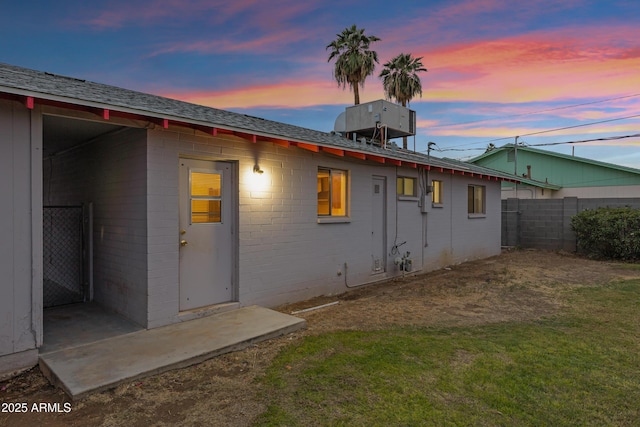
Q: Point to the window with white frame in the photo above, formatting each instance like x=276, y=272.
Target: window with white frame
x=436, y=193
x=332, y=192
x=476, y=202
x=406, y=186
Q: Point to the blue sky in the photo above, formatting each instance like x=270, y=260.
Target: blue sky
x=496, y=69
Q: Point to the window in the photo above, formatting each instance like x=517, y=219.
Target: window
x=206, y=197
x=332, y=192
x=476, y=199
x=406, y=186
x=436, y=194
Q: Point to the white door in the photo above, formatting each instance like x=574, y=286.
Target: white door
x=207, y=249
x=378, y=224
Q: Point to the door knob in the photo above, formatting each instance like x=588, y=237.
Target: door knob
x=183, y=243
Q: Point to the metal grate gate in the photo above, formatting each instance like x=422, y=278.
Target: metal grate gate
x=62, y=248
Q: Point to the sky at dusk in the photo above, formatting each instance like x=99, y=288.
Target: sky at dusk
x=496, y=69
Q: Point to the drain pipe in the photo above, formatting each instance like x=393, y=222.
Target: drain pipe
x=346, y=282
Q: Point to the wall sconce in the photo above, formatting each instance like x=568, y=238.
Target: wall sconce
x=257, y=180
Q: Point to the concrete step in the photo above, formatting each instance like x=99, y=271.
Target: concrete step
x=101, y=365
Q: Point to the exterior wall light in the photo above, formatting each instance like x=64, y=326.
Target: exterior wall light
x=256, y=169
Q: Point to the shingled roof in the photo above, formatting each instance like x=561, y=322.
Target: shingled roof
x=33, y=86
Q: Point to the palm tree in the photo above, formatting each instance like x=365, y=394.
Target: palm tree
x=354, y=60
x=401, y=82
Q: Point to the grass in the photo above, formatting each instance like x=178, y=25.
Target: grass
x=578, y=368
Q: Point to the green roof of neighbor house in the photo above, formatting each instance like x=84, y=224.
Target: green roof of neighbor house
x=554, y=170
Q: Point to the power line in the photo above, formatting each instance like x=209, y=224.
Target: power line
x=546, y=144
x=550, y=130
x=537, y=112
x=568, y=127
x=610, y=138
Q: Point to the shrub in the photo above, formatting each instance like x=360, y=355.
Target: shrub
x=612, y=233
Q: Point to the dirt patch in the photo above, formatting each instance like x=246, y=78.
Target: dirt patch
x=518, y=285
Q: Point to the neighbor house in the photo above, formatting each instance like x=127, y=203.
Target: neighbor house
x=548, y=175
x=552, y=188
x=163, y=211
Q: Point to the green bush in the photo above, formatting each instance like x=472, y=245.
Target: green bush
x=612, y=233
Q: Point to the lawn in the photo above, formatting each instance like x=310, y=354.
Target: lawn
x=524, y=338
x=580, y=366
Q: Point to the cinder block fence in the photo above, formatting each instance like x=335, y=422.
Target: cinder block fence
x=546, y=223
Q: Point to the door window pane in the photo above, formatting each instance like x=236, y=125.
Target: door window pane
x=203, y=211
x=206, y=198
x=205, y=184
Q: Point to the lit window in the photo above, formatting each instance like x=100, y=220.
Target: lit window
x=332, y=192
x=206, y=197
x=436, y=194
x=406, y=186
x=476, y=199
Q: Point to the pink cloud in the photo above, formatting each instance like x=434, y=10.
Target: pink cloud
x=260, y=14
x=535, y=67
x=283, y=95
x=270, y=42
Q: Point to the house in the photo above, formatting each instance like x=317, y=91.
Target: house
x=549, y=175
x=552, y=188
x=163, y=211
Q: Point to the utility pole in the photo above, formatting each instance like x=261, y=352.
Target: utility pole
x=515, y=164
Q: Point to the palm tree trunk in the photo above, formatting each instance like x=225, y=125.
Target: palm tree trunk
x=404, y=138
x=356, y=94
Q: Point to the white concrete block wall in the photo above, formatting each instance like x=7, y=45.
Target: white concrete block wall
x=111, y=173
x=17, y=333
x=284, y=253
x=453, y=236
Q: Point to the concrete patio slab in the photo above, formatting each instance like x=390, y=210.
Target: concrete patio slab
x=79, y=324
x=101, y=365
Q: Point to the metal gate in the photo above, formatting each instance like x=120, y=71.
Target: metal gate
x=63, y=255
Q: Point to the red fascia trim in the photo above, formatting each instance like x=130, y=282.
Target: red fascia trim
x=394, y=162
x=249, y=136
x=205, y=129
x=410, y=164
x=335, y=151
x=29, y=102
x=160, y=122
x=105, y=114
x=375, y=158
x=360, y=156
x=281, y=142
x=304, y=146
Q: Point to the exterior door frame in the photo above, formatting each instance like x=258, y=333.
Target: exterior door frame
x=233, y=199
